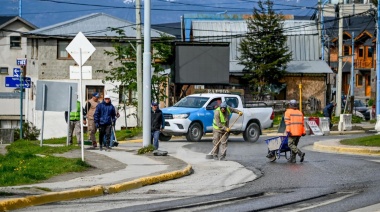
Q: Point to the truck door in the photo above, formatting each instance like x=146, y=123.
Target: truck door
x=233, y=102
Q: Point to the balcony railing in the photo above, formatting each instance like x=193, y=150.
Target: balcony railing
x=364, y=64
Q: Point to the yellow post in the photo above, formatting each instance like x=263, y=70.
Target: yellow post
x=300, y=87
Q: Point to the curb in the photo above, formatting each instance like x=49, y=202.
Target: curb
x=33, y=200
x=343, y=149
x=131, y=141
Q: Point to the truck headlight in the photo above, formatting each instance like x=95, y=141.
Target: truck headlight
x=181, y=116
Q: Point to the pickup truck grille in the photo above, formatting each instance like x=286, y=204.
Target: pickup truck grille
x=168, y=116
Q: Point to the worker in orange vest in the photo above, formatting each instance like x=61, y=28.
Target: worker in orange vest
x=294, y=121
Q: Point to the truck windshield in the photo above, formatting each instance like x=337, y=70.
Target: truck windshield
x=192, y=102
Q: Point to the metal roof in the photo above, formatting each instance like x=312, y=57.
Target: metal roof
x=6, y=20
x=92, y=25
x=308, y=67
x=303, y=41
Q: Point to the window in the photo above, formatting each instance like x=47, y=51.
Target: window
x=361, y=52
x=15, y=42
x=346, y=50
x=3, y=70
x=62, y=53
x=232, y=101
x=370, y=51
x=359, y=80
x=90, y=89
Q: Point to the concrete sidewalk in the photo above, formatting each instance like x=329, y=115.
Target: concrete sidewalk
x=141, y=170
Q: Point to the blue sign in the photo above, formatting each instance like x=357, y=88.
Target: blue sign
x=16, y=72
x=14, y=82
x=21, y=61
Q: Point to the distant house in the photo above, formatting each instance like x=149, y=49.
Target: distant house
x=363, y=27
x=12, y=46
x=48, y=60
x=306, y=67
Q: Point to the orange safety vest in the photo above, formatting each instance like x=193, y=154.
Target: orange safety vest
x=294, y=122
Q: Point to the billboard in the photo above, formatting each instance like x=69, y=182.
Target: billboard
x=202, y=63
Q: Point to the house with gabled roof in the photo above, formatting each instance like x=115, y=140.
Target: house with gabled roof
x=12, y=46
x=48, y=60
x=361, y=30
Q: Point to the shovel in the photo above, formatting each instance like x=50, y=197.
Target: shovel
x=210, y=155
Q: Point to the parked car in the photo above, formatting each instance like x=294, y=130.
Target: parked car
x=362, y=108
x=193, y=115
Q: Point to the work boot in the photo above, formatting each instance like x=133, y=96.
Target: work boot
x=302, y=155
x=215, y=157
x=292, y=158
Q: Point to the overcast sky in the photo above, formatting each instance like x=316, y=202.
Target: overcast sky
x=47, y=12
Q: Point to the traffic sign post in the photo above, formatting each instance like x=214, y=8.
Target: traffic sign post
x=14, y=82
x=80, y=49
x=21, y=61
x=16, y=72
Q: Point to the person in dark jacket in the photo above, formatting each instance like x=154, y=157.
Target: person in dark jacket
x=157, y=122
x=327, y=112
x=104, y=117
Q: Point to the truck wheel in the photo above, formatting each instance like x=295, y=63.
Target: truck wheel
x=252, y=133
x=195, y=132
x=163, y=137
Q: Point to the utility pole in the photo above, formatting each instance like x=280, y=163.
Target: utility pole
x=377, y=127
x=320, y=28
x=139, y=70
x=340, y=63
x=352, y=75
x=147, y=88
x=20, y=8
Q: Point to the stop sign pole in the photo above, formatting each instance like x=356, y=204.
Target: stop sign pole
x=80, y=50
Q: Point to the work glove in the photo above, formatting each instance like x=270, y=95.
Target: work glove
x=240, y=113
x=227, y=129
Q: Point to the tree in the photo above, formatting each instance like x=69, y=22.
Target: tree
x=264, y=52
x=124, y=53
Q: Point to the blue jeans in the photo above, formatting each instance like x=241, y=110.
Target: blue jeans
x=155, y=135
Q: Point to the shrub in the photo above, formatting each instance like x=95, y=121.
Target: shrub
x=29, y=131
x=370, y=102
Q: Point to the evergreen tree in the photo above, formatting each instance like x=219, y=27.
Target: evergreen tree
x=264, y=52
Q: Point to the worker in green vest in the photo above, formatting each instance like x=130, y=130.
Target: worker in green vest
x=74, y=125
x=221, y=129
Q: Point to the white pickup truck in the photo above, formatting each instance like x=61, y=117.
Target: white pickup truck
x=193, y=115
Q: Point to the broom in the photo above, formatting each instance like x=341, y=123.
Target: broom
x=210, y=155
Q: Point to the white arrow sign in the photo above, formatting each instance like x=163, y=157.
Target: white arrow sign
x=80, y=49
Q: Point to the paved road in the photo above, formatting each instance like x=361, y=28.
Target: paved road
x=324, y=182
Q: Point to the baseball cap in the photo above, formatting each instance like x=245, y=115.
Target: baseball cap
x=107, y=97
x=96, y=94
x=154, y=104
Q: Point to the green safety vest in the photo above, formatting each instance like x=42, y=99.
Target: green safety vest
x=222, y=120
x=75, y=116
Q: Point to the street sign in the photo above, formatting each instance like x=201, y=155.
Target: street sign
x=79, y=47
x=21, y=61
x=14, y=82
x=16, y=72
x=86, y=72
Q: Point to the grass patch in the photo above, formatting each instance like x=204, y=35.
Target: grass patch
x=21, y=165
x=373, y=140
x=146, y=149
